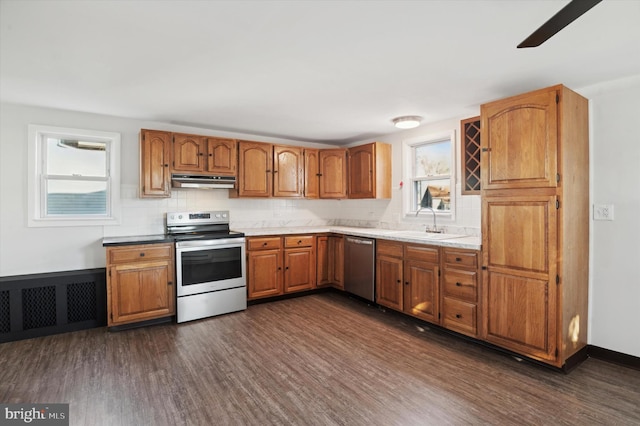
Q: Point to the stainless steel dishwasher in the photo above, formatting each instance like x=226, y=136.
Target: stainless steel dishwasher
x=359, y=266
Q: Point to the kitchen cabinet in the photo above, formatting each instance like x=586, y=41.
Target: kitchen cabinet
x=311, y=173
x=299, y=263
x=407, y=278
x=155, y=157
x=189, y=153
x=460, y=286
x=330, y=261
x=333, y=173
x=140, y=283
x=370, y=171
x=535, y=224
x=470, y=155
x=222, y=156
x=278, y=265
x=266, y=170
x=264, y=267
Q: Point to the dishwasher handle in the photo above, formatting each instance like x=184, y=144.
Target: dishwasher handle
x=359, y=241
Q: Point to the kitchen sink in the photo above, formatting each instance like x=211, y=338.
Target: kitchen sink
x=427, y=235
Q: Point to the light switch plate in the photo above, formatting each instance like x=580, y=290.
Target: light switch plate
x=603, y=212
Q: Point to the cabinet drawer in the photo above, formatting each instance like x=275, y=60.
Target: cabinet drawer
x=421, y=252
x=266, y=243
x=298, y=241
x=138, y=253
x=460, y=316
x=388, y=248
x=461, y=284
x=465, y=259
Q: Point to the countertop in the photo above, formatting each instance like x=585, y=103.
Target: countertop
x=443, y=240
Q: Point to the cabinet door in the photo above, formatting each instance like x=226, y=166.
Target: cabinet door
x=519, y=281
x=519, y=141
x=361, y=171
x=188, y=153
x=222, y=156
x=254, y=169
x=336, y=250
x=299, y=269
x=389, y=282
x=311, y=173
x=288, y=171
x=155, y=156
x=264, y=273
x=140, y=291
x=333, y=173
x=322, y=261
x=421, y=294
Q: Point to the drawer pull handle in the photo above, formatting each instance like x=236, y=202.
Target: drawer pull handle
x=299, y=241
x=458, y=259
x=264, y=244
x=458, y=316
x=141, y=254
x=458, y=285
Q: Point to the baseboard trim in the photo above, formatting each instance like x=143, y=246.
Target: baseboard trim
x=614, y=357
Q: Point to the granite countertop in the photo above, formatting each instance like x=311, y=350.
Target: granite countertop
x=420, y=237
x=444, y=240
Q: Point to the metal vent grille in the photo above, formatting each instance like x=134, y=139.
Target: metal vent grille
x=5, y=312
x=38, y=307
x=81, y=301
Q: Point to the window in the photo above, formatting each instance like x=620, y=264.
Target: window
x=429, y=175
x=73, y=177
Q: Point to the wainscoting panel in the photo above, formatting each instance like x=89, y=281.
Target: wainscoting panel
x=42, y=304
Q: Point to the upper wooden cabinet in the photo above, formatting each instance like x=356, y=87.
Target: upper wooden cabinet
x=311, y=173
x=267, y=170
x=288, y=171
x=255, y=167
x=535, y=191
x=222, y=156
x=189, y=153
x=519, y=141
x=370, y=171
x=155, y=157
x=333, y=173
x=192, y=153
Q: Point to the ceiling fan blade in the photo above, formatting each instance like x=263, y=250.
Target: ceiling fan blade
x=567, y=15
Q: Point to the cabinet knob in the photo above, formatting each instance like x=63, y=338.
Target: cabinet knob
x=141, y=254
x=210, y=155
x=264, y=244
x=299, y=241
x=170, y=283
x=166, y=165
x=458, y=285
x=458, y=316
x=458, y=259
x=406, y=283
x=486, y=149
x=200, y=154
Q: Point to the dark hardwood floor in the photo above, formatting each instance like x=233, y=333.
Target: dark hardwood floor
x=315, y=360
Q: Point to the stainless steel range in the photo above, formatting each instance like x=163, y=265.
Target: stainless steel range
x=210, y=264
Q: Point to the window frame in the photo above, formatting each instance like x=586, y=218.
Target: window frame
x=37, y=179
x=408, y=146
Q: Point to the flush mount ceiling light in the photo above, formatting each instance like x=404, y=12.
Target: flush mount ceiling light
x=407, y=121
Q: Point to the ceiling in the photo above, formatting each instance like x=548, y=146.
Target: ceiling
x=316, y=71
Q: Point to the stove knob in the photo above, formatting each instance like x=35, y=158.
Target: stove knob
x=172, y=217
x=180, y=217
x=218, y=215
x=224, y=215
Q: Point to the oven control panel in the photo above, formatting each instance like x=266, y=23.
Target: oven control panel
x=197, y=218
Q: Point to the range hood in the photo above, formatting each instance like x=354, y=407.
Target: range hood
x=202, y=181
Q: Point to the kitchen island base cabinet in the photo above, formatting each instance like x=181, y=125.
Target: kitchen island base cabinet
x=140, y=283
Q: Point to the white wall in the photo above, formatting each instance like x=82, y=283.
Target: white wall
x=615, y=179
x=26, y=250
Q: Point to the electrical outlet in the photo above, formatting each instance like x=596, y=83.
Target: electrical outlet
x=603, y=212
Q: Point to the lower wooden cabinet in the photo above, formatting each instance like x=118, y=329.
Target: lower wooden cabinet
x=278, y=265
x=140, y=283
x=407, y=278
x=330, y=261
x=461, y=290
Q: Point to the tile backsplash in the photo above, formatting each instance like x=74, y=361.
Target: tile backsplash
x=146, y=216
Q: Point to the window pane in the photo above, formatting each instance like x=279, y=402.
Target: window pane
x=76, y=197
x=433, y=159
x=70, y=157
x=439, y=190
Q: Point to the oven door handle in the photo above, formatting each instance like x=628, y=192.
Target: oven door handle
x=221, y=243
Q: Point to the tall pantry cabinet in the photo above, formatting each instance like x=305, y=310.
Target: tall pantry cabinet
x=535, y=223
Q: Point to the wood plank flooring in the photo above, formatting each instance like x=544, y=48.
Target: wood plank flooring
x=322, y=359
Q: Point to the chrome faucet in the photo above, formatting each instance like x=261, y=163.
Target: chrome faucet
x=435, y=228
